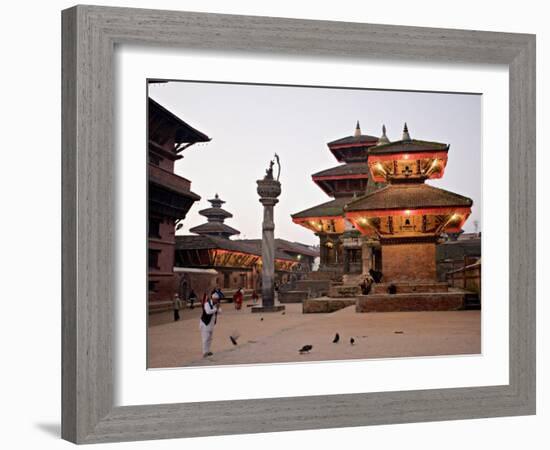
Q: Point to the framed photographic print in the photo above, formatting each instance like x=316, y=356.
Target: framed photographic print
x=300, y=224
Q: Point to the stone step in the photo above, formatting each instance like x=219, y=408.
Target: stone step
x=317, y=288
x=343, y=290
x=411, y=287
x=293, y=296
x=326, y=304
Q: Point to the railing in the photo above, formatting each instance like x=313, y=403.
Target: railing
x=467, y=277
x=169, y=179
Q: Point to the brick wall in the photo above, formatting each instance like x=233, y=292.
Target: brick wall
x=408, y=262
x=162, y=276
x=446, y=301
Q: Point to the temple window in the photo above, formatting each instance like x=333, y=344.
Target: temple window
x=153, y=259
x=154, y=228
x=154, y=159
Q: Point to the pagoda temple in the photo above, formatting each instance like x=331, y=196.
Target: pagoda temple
x=384, y=210
x=341, y=250
x=234, y=262
x=215, y=216
x=407, y=216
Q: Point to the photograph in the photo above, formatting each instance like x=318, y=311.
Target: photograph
x=292, y=224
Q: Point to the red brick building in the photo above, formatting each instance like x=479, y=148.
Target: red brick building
x=169, y=198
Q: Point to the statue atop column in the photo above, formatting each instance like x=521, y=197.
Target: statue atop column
x=269, y=170
x=269, y=189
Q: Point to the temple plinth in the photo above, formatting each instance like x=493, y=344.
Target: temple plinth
x=268, y=190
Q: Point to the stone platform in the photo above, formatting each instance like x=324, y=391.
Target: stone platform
x=419, y=301
x=267, y=309
x=316, y=288
x=292, y=296
x=407, y=287
x=344, y=291
x=326, y=304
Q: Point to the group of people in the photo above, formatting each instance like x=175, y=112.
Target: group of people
x=238, y=298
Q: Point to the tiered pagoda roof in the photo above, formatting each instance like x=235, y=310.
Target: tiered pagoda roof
x=408, y=196
x=352, y=148
x=358, y=170
x=216, y=216
x=407, y=159
x=343, y=182
x=410, y=146
x=331, y=209
x=215, y=251
x=408, y=207
x=381, y=188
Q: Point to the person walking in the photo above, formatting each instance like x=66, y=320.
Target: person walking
x=238, y=298
x=210, y=310
x=177, y=307
x=254, y=296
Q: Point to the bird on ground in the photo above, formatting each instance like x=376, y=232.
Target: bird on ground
x=336, y=338
x=352, y=341
x=305, y=349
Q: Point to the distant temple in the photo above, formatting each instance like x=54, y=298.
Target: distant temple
x=215, y=225
x=232, y=263
x=169, y=197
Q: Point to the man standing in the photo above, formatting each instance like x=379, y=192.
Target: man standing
x=210, y=310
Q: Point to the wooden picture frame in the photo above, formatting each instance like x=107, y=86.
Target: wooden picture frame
x=89, y=37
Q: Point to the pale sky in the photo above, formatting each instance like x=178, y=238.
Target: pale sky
x=249, y=123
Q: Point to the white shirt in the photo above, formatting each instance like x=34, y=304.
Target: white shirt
x=210, y=309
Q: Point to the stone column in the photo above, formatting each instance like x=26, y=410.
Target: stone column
x=366, y=256
x=268, y=190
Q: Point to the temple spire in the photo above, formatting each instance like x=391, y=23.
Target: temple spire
x=357, y=130
x=406, y=135
x=383, y=139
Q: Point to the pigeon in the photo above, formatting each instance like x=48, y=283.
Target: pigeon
x=352, y=341
x=233, y=340
x=336, y=338
x=305, y=349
